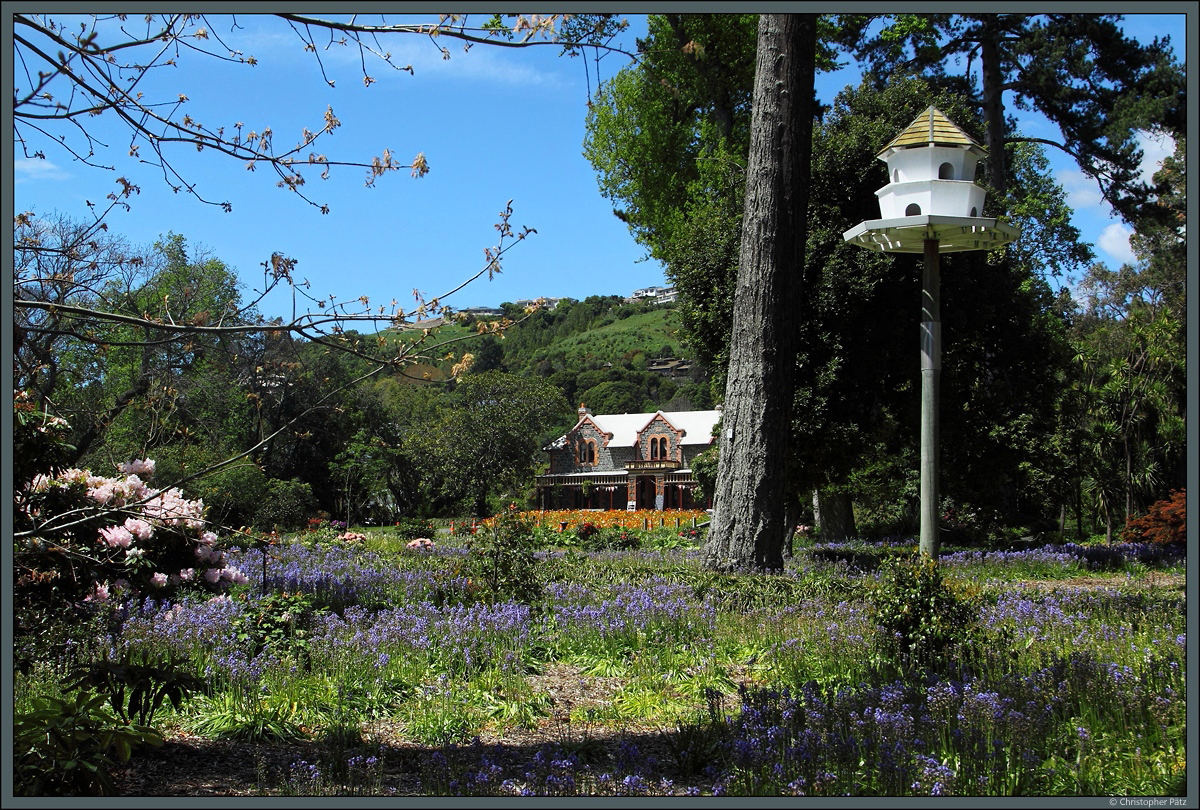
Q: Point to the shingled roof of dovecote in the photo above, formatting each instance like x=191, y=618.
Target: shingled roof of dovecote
x=930, y=127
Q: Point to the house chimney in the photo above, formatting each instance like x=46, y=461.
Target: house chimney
x=584, y=410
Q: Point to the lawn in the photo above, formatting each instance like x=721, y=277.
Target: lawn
x=527, y=660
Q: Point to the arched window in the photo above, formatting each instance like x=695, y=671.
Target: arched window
x=913, y=210
x=587, y=452
x=946, y=171
x=974, y=211
x=895, y=175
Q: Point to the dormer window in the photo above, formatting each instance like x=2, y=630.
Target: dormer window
x=587, y=451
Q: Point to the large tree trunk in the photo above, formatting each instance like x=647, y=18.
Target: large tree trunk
x=833, y=514
x=993, y=112
x=791, y=517
x=749, y=525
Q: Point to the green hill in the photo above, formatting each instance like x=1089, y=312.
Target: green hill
x=601, y=350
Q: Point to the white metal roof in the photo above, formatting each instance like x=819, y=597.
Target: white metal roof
x=624, y=427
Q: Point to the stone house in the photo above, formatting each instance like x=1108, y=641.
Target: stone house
x=627, y=461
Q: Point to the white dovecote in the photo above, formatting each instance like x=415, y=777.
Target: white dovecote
x=931, y=193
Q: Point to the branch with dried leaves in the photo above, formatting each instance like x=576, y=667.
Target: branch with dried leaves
x=71, y=75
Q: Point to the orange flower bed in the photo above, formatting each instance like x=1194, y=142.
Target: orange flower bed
x=609, y=518
x=600, y=518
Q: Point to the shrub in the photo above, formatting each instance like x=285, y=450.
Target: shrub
x=232, y=494
x=504, y=560
x=618, y=537
x=1165, y=523
x=286, y=505
x=68, y=746
x=413, y=528
x=278, y=623
x=585, y=532
x=83, y=540
x=920, y=616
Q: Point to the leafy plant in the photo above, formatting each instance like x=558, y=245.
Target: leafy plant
x=68, y=746
x=1165, y=522
x=695, y=742
x=920, y=615
x=233, y=715
x=137, y=684
x=505, y=560
x=279, y=622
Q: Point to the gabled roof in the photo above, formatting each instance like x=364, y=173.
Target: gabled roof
x=931, y=127
x=695, y=426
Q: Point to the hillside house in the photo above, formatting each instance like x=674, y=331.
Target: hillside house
x=627, y=461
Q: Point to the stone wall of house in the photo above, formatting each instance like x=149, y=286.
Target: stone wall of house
x=659, y=428
x=565, y=460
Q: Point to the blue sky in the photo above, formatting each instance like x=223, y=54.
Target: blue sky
x=494, y=124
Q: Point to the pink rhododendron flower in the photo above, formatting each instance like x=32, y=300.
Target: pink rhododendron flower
x=103, y=493
x=187, y=574
x=208, y=538
x=158, y=580
x=117, y=536
x=213, y=575
x=99, y=594
x=139, y=528
x=420, y=543
x=143, y=466
x=231, y=574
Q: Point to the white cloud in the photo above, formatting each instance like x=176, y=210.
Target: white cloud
x=270, y=39
x=1154, y=149
x=1114, y=240
x=37, y=169
x=1082, y=191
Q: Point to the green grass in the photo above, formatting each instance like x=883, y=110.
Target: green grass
x=665, y=638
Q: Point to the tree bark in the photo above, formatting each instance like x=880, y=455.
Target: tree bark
x=791, y=517
x=993, y=112
x=749, y=521
x=833, y=514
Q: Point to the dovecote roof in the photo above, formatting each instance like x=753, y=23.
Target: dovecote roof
x=930, y=128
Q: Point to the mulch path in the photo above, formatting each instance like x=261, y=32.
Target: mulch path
x=188, y=765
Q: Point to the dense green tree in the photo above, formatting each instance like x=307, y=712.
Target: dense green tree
x=675, y=129
x=142, y=388
x=1126, y=434
x=614, y=396
x=490, y=435
x=1097, y=85
x=854, y=411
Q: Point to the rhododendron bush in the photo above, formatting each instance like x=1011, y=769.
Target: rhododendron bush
x=81, y=537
